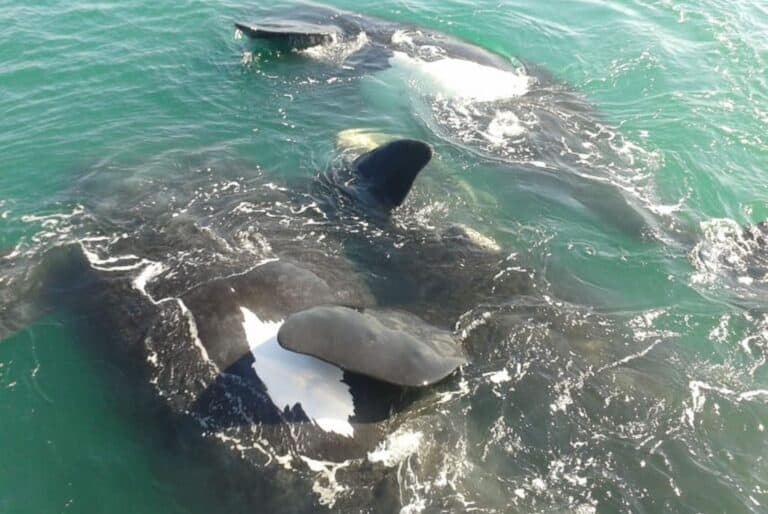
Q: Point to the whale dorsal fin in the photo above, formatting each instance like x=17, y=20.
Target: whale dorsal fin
x=390, y=169
x=296, y=35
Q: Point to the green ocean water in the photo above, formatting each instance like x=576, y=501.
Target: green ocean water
x=102, y=105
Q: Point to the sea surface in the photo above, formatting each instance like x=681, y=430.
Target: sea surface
x=630, y=376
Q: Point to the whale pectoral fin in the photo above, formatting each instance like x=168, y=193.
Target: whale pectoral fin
x=390, y=169
x=387, y=345
x=294, y=35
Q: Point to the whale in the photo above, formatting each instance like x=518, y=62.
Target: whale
x=510, y=113
x=290, y=331
x=298, y=349
x=183, y=298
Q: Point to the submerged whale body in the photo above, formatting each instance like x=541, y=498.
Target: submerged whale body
x=510, y=112
x=287, y=342
x=301, y=356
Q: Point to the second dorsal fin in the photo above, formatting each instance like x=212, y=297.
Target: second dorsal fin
x=390, y=169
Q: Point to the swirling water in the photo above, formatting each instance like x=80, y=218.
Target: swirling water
x=630, y=377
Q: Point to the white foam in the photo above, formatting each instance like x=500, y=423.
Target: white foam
x=292, y=378
x=499, y=377
x=192, y=327
x=15, y=253
x=55, y=218
x=402, y=37
x=503, y=126
x=726, y=248
x=458, y=78
x=105, y=264
x=152, y=270
x=396, y=448
x=336, y=51
x=699, y=399
x=327, y=493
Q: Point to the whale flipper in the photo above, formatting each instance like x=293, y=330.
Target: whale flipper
x=391, y=346
x=390, y=169
x=296, y=35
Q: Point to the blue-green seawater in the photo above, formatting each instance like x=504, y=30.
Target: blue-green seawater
x=104, y=104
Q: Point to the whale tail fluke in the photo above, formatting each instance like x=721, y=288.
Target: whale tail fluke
x=390, y=169
x=295, y=35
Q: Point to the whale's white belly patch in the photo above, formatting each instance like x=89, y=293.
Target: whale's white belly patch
x=292, y=378
x=462, y=79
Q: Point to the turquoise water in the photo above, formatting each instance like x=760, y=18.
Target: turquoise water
x=635, y=382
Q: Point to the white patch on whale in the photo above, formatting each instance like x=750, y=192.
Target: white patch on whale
x=446, y=77
x=459, y=78
x=360, y=139
x=292, y=378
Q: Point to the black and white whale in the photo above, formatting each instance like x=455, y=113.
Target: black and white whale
x=511, y=113
x=298, y=349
